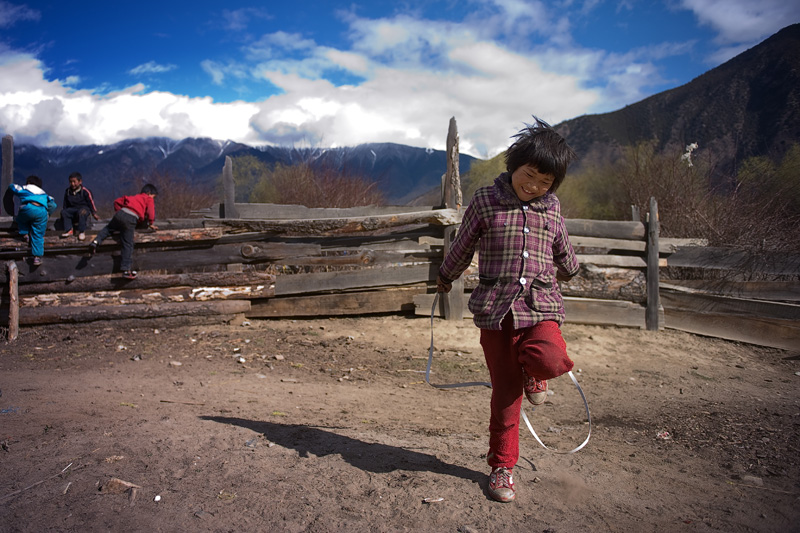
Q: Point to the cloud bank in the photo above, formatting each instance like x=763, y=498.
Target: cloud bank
x=398, y=78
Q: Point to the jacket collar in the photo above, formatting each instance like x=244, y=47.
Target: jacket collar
x=506, y=196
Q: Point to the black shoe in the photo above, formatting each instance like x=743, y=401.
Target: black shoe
x=92, y=248
x=129, y=274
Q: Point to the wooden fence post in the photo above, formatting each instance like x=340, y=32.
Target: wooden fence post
x=13, y=300
x=228, y=206
x=8, y=165
x=452, y=301
x=653, y=311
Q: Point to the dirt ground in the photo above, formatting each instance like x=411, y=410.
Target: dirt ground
x=327, y=425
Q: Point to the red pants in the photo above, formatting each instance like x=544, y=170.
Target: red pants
x=542, y=352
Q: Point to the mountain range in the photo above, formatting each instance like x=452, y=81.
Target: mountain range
x=748, y=106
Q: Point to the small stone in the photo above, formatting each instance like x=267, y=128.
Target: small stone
x=753, y=480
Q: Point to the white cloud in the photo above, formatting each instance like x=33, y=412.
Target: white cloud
x=151, y=67
x=238, y=19
x=413, y=75
x=741, y=22
x=10, y=14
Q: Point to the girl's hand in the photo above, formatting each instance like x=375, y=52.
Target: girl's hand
x=154, y=228
x=441, y=286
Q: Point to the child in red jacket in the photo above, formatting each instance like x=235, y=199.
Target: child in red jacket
x=130, y=211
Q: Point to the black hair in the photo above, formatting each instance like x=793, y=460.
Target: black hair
x=150, y=189
x=540, y=146
x=34, y=180
x=76, y=175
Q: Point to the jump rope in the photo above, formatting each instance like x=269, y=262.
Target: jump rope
x=489, y=385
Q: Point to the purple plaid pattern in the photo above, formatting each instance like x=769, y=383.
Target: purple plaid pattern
x=519, y=248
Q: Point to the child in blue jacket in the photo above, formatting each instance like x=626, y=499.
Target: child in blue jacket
x=35, y=206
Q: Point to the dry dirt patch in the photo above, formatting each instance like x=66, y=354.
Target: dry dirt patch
x=323, y=425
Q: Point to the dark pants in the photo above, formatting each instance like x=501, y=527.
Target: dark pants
x=125, y=224
x=542, y=352
x=75, y=217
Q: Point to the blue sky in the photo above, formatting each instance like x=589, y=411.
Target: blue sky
x=342, y=73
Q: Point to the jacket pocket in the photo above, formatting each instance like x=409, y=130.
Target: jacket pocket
x=481, y=299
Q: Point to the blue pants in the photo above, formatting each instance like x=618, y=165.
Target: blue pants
x=125, y=224
x=75, y=217
x=32, y=220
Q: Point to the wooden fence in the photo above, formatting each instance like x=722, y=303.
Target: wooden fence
x=238, y=261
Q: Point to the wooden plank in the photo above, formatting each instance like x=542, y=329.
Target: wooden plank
x=394, y=300
x=53, y=243
x=745, y=263
x=578, y=310
x=62, y=267
x=229, y=209
x=260, y=211
x=779, y=291
x=292, y=284
x=152, y=281
x=604, y=312
x=333, y=226
x=652, y=314
x=13, y=301
x=623, y=261
x=613, y=229
x=719, y=305
x=148, y=296
x=665, y=246
x=67, y=315
x=775, y=333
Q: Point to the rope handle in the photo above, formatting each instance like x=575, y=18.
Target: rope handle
x=489, y=385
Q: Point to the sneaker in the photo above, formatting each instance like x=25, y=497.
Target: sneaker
x=535, y=389
x=81, y=236
x=37, y=261
x=66, y=234
x=501, y=485
x=129, y=274
x=93, y=248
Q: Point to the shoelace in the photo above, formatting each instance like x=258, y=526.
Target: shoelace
x=502, y=478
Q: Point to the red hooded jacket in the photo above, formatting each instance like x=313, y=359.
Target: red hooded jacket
x=142, y=204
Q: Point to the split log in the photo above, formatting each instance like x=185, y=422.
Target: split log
x=743, y=265
x=30, y=316
x=778, y=291
x=579, y=311
x=605, y=228
x=54, y=243
x=153, y=281
x=776, y=333
x=301, y=212
x=353, y=279
x=333, y=226
x=148, y=296
x=394, y=300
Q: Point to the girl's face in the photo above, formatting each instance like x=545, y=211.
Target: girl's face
x=529, y=183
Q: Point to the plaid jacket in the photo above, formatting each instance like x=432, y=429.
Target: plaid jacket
x=520, y=246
